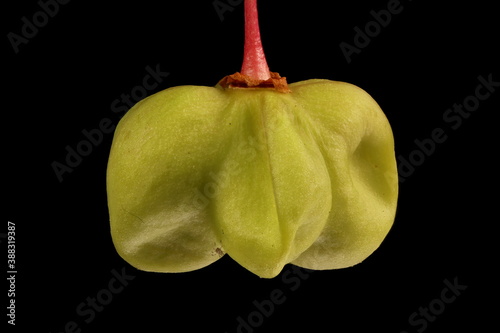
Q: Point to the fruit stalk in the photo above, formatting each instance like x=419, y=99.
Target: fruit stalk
x=254, y=59
x=254, y=71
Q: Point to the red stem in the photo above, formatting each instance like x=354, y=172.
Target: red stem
x=254, y=60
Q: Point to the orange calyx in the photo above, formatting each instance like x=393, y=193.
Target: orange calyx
x=238, y=80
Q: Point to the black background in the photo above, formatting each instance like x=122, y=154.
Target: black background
x=66, y=77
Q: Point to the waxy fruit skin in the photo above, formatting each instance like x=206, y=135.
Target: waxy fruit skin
x=307, y=177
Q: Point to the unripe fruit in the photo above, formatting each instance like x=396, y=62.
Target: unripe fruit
x=303, y=173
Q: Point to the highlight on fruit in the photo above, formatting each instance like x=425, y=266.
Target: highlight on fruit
x=268, y=172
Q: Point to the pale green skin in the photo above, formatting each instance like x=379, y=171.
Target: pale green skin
x=307, y=177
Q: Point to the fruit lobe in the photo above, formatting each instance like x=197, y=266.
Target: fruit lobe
x=307, y=177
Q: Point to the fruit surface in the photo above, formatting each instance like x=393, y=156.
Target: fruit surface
x=308, y=177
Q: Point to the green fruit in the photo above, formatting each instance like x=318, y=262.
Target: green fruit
x=307, y=177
